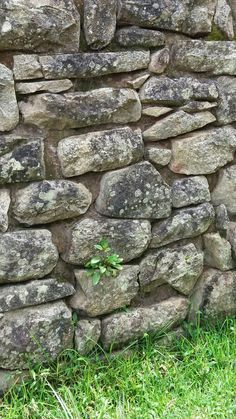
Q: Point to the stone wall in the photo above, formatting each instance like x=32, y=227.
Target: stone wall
x=117, y=121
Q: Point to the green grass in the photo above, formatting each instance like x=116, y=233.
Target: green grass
x=196, y=379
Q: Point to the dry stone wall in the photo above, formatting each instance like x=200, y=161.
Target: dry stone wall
x=117, y=121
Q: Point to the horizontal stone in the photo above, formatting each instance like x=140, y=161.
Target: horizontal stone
x=50, y=200
x=34, y=334
x=32, y=293
x=99, y=22
x=132, y=36
x=87, y=333
x=196, y=106
x=120, y=328
x=5, y=201
x=158, y=155
x=27, y=67
x=137, y=191
x=224, y=191
x=189, y=191
x=159, y=61
x=183, y=224
x=155, y=110
x=223, y=18
x=203, y=152
x=180, y=268
x=26, y=254
x=81, y=109
x=100, y=151
x=226, y=110
x=51, y=86
x=217, y=252
x=128, y=238
x=9, y=113
x=18, y=137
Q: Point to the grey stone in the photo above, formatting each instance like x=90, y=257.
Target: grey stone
x=26, y=254
x=87, y=333
x=183, y=224
x=99, y=22
x=159, y=61
x=50, y=200
x=51, y=86
x=179, y=267
x=32, y=293
x=4, y=207
x=226, y=110
x=223, y=18
x=189, y=191
x=224, y=191
x=176, y=124
x=26, y=67
x=81, y=109
x=217, y=252
x=196, y=106
x=203, y=152
x=137, y=191
x=118, y=329
x=222, y=218
x=100, y=151
x=128, y=238
x=39, y=25
x=9, y=113
x=34, y=334
x=158, y=155
x=138, y=81
x=155, y=110
x=132, y=36
x=9, y=379
x=231, y=236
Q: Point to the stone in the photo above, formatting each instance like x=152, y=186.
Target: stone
x=155, y=110
x=231, y=236
x=136, y=83
x=171, y=338
x=50, y=200
x=158, y=155
x=51, y=86
x=196, y=106
x=9, y=379
x=226, y=110
x=132, y=36
x=223, y=18
x=87, y=333
x=26, y=254
x=27, y=67
x=203, y=152
x=33, y=293
x=137, y=191
x=159, y=61
x=81, y=109
x=222, y=218
x=39, y=25
x=99, y=22
x=128, y=238
x=34, y=334
x=5, y=201
x=190, y=191
x=183, y=224
x=120, y=328
x=217, y=252
x=100, y=151
x=224, y=191
x=179, y=267
x=9, y=113
x=176, y=124
x=110, y=294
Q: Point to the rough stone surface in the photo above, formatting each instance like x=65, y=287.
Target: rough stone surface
x=9, y=113
x=120, y=328
x=190, y=190
x=4, y=207
x=203, y=152
x=51, y=200
x=9, y=379
x=231, y=236
x=110, y=294
x=196, y=106
x=26, y=67
x=222, y=218
x=183, y=224
x=87, y=333
x=158, y=155
x=223, y=18
x=99, y=22
x=35, y=333
x=100, y=151
x=51, y=86
x=138, y=81
x=226, y=111
x=134, y=192
x=217, y=252
x=128, y=238
x=26, y=254
x=132, y=36
x=159, y=61
x=224, y=191
x=155, y=110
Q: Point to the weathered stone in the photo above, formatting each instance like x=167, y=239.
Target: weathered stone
x=9, y=113
x=100, y=151
x=36, y=333
x=128, y=238
x=217, y=252
x=176, y=124
x=223, y=18
x=87, y=333
x=225, y=192
x=99, y=22
x=155, y=110
x=158, y=155
x=51, y=200
x=39, y=25
x=180, y=268
x=132, y=36
x=222, y=218
x=118, y=329
x=80, y=109
x=32, y=293
x=231, y=236
x=203, y=152
x=138, y=81
x=183, y=224
x=4, y=207
x=26, y=254
x=159, y=61
x=226, y=110
x=52, y=86
x=27, y=67
x=110, y=294
x=189, y=191
x=169, y=339
x=196, y=106
x=9, y=379
x=137, y=191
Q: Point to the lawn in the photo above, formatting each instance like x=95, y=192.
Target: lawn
x=196, y=379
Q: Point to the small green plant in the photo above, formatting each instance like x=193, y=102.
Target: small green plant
x=106, y=265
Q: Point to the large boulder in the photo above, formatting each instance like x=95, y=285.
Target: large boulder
x=99, y=22
x=224, y=191
x=9, y=113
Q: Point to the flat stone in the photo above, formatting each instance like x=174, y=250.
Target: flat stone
x=180, y=268
x=110, y=294
x=222, y=218
x=9, y=113
x=32, y=293
x=190, y=191
x=99, y=22
x=223, y=18
x=36, y=333
x=26, y=254
x=132, y=36
x=203, y=152
x=52, y=86
x=87, y=333
x=155, y=110
x=196, y=106
x=120, y=328
x=176, y=124
x=5, y=201
x=100, y=151
x=128, y=238
x=50, y=200
x=224, y=191
x=183, y=224
x=137, y=191
x=217, y=252
x=158, y=155
x=26, y=67
x=81, y=109
x=159, y=61
x=226, y=110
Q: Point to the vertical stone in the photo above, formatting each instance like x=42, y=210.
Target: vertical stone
x=99, y=22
